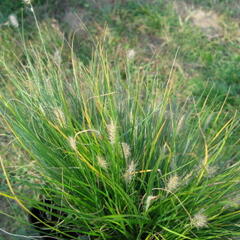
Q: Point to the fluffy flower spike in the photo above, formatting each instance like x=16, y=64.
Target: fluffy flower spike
x=126, y=150
x=129, y=172
x=173, y=183
x=111, y=129
x=199, y=220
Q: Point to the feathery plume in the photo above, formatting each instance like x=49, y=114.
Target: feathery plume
x=130, y=172
x=13, y=20
x=186, y=179
x=111, y=128
x=173, y=183
x=102, y=162
x=60, y=116
x=199, y=220
x=126, y=150
x=211, y=170
x=27, y=2
x=149, y=201
x=72, y=143
x=180, y=123
x=131, y=54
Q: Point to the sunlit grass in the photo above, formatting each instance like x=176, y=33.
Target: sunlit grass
x=120, y=149
x=122, y=158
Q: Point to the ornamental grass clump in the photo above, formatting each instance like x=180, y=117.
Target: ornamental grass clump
x=113, y=161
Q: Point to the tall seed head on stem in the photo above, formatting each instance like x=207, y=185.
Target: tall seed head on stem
x=13, y=20
x=173, y=183
x=126, y=150
x=149, y=201
x=102, y=162
x=72, y=143
x=111, y=129
x=60, y=116
x=129, y=173
x=199, y=220
x=27, y=2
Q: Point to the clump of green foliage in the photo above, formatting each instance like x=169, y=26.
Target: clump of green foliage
x=118, y=152
x=121, y=157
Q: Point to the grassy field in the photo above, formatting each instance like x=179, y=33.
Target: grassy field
x=168, y=73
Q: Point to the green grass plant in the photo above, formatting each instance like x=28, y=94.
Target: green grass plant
x=119, y=149
x=121, y=157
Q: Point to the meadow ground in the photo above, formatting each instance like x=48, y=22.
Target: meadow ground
x=202, y=36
